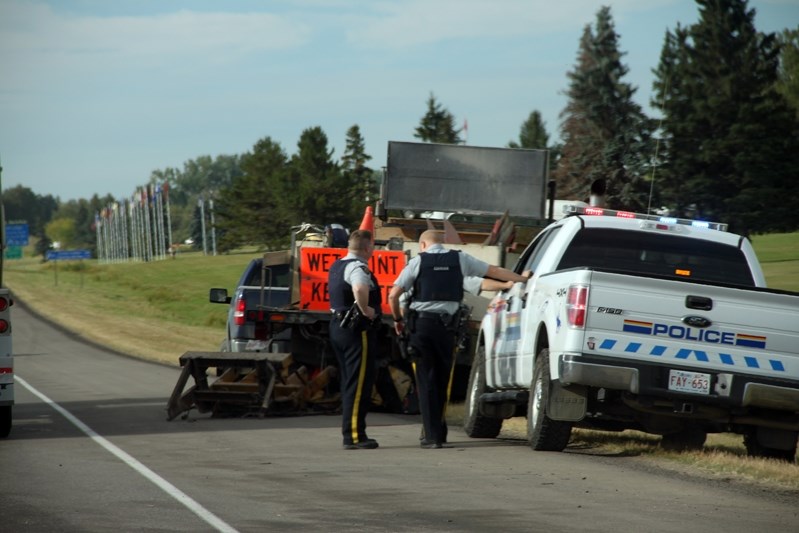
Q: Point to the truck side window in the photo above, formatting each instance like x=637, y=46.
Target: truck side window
x=536, y=251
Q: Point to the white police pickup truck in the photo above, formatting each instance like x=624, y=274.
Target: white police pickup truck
x=634, y=321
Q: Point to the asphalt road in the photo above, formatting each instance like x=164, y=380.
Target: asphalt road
x=91, y=450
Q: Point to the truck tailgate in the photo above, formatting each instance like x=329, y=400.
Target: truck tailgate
x=695, y=326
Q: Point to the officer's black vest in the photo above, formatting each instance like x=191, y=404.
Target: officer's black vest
x=440, y=278
x=341, y=297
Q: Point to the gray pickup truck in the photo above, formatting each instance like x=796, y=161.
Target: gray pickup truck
x=264, y=285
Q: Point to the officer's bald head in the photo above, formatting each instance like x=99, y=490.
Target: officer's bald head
x=429, y=238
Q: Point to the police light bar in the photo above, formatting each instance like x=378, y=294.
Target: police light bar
x=668, y=221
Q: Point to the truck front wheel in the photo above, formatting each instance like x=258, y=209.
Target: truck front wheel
x=544, y=433
x=5, y=421
x=474, y=424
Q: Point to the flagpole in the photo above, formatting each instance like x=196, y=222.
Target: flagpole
x=202, y=224
x=168, y=215
x=146, y=206
x=98, y=233
x=159, y=201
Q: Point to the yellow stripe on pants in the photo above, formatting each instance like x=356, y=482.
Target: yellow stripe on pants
x=449, y=385
x=359, y=388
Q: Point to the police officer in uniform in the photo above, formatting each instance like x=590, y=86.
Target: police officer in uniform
x=436, y=277
x=355, y=341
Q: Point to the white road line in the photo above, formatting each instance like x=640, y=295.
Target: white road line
x=160, y=482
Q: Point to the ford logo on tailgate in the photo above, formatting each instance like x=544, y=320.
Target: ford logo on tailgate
x=696, y=321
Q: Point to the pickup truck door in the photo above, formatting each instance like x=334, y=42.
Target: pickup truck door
x=509, y=309
x=505, y=315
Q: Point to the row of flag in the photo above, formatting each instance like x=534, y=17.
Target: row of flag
x=138, y=229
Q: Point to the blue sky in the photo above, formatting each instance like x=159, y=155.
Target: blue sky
x=96, y=94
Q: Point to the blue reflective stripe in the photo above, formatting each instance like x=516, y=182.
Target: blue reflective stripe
x=633, y=347
x=702, y=356
x=607, y=344
x=658, y=350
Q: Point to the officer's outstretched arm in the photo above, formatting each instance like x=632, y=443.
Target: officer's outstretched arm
x=503, y=274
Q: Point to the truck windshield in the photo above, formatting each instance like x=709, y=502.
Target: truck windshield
x=657, y=254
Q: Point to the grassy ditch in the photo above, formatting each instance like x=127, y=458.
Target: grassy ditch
x=156, y=310
x=723, y=457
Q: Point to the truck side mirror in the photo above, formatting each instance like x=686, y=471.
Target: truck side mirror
x=218, y=296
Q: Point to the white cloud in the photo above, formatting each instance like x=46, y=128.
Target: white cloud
x=34, y=39
x=393, y=24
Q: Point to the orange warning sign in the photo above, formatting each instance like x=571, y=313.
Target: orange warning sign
x=315, y=264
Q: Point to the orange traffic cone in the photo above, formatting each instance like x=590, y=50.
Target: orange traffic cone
x=368, y=222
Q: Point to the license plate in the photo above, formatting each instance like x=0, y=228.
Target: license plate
x=692, y=382
x=254, y=345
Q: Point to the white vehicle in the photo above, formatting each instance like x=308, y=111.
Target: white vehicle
x=6, y=364
x=641, y=322
x=6, y=355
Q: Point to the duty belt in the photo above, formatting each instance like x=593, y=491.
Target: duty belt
x=430, y=314
x=449, y=321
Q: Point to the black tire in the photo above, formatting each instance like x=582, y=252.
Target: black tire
x=689, y=439
x=544, y=433
x=5, y=421
x=474, y=424
x=755, y=449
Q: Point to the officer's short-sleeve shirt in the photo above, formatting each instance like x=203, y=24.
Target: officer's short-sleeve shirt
x=470, y=267
x=471, y=284
x=354, y=274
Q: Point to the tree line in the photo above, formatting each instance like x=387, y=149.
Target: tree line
x=724, y=146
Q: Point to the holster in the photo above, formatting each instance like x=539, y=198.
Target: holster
x=354, y=320
x=407, y=352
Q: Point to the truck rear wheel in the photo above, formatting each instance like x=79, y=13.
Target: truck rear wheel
x=5, y=421
x=474, y=424
x=755, y=446
x=688, y=439
x=544, y=433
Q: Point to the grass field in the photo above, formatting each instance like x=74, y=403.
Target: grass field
x=159, y=310
x=155, y=310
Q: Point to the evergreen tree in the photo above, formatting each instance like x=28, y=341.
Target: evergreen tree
x=437, y=125
x=788, y=83
x=320, y=193
x=606, y=134
x=252, y=209
x=359, y=177
x=731, y=139
x=532, y=134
